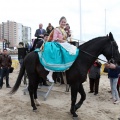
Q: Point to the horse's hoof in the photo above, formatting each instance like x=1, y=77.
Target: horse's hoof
x=75, y=115
x=34, y=109
x=75, y=118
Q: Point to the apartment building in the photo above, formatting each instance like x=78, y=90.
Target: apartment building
x=29, y=34
x=0, y=31
x=14, y=33
x=19, y=33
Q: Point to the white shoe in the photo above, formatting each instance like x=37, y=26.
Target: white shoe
x=37, y=102
x=49, y=77
x=51, y=80
x=116, y=102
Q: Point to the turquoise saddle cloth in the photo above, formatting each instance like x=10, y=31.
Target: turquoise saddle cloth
x=55, y=58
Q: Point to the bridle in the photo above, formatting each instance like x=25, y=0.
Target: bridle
x=111, y=59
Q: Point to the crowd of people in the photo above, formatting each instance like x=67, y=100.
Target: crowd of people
x=60, y=34
x=113, y=74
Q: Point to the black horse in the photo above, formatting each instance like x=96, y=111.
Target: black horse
x=77, y=73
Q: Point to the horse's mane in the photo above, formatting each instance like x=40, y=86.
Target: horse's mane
x=92, y=41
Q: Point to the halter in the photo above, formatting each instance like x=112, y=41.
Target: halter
x=111, y=60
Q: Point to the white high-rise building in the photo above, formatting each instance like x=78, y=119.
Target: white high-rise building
x=14, y=33
x=29, y=34
x=26, y=34
x=19, y=33
x=9, y=32
x=0, y=31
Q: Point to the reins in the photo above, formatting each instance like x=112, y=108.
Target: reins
x=92, y=55
x=97, y=57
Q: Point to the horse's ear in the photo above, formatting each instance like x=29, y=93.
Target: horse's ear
x=111, y=36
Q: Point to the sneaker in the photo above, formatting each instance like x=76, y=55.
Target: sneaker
x=50, y=78
x=116, y=102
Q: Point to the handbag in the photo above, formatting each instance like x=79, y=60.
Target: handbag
x=11, y=69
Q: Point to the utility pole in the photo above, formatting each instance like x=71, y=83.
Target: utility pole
x=105, y=21
x=80, y=22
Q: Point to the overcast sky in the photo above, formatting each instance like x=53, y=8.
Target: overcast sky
x=32, y=12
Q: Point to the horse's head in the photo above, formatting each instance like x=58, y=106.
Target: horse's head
x=111, y=50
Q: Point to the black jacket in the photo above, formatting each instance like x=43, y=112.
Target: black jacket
x=38, y=32
x=5, y=61
x=95, y=70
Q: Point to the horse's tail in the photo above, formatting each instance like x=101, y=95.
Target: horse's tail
x=19, y=79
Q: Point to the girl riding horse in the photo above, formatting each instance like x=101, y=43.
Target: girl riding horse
x=58, y=55
x=76, y=74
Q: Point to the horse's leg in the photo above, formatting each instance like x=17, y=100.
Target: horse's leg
x=83, y=97
x=31, y=89
x=35, y=93
x=32, y=83
x=74, y=90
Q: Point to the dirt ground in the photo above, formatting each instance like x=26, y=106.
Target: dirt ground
x=57, y=106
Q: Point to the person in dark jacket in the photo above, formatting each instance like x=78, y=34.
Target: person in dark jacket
x=67, y=30
x=49, y=28
x=113, y=74
x=22, y=52
x=38, y=42
x=5, y=64
x=94, y=77
x=40, y=32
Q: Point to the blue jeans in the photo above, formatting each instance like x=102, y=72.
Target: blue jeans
x=4, y=73
x=113, y=84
